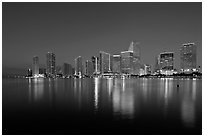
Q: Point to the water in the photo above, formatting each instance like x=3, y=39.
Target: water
x=102, y=106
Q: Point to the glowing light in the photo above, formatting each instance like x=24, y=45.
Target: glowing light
x=96, y=80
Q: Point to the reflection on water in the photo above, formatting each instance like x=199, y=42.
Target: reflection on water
x=123, y=98
x=194, y=90
x=188, y=103
x=96, y=85
x=188, y=113
x=36, y=89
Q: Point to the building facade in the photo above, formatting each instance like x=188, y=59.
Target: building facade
x=42, y=71
x=89, y=70
x=147, y=69
x=96, y=64
x=67, y=70
x=116, y=63
x=78, y=66
x=59, y=70
x=105, y=62
x=35, y=66
x=166, y=63
x=135, y=48
x=126, y=62
x=188, y=57
x=50, y=69
x=29, y=72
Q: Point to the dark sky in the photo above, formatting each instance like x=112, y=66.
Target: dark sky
x=73, y=29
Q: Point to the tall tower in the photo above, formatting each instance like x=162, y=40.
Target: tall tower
x=50, y=70
x=135, y=49
x=127, y=62
x=78, y=66
x=35, y=66
x=116, y=63
x=89, y=68
x=188, y=57
x=96, y=64
x=105, y=62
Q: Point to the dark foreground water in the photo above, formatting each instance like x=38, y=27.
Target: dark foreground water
x=102, y=106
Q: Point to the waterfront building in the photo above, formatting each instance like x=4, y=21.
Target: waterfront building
x=147, y=69
x=105, y=62
x=135, y=48
x=67, y=70
x=126, y=62
x=29, y=73
x=89, y=68
x=78, y=66
x=166, y=63
x=96, y=64
x=42, y=72
x=73, y=71
x=58, y=70
x=35, y=66
x=188, y=57
x=142, y=71
x=156, y=66
x=50, y=70
x=116, y=63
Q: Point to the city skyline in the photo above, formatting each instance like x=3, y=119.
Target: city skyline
x=113, y=41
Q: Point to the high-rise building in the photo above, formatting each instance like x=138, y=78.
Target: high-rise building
x=135, y=48
x=96, y=64
x=89, y=68
x=78, y=66
x=188, y=57
x=105, y=62
x=50, y=70
x=156, y=66
x=67, y=70
x=35, y=66
x=116, y=63
x=166, y=63
x=126, y=62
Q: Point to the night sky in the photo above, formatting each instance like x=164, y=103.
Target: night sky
x=83, y=29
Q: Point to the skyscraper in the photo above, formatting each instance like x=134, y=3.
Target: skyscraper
x=67, y=70
x=135, y=48
x=166, y=63
x=188, y=57
x=35, y=66
x=116, y=63
x=156, y=66
x=105, y=62
x=127, y=62
x=89, y=68
x=78, y=66
x=96, y=64
x=51, y=64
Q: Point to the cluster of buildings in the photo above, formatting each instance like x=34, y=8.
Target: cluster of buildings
x=126, y=63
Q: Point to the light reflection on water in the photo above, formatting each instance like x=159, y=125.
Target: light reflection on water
x=96, y=94
x=124, y=98
x=37, y=84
